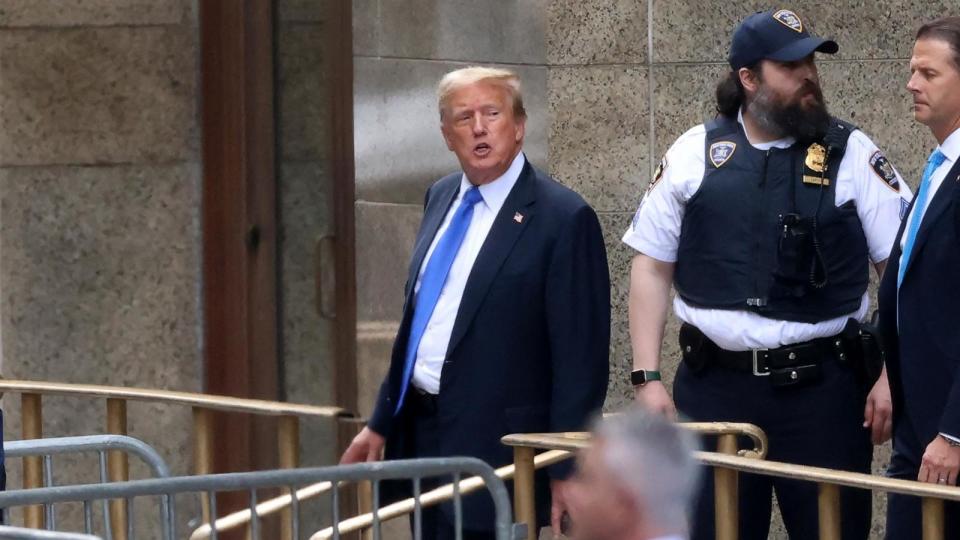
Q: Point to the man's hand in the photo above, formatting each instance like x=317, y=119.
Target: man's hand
x=558, y=504
x=653, y=396
x=366, y=446
x=940, y=463
x=878, y=411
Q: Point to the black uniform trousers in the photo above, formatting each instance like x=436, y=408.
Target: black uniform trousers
x=819, y=424
x=903, y=511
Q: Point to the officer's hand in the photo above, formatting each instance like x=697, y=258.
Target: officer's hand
x=653, y=396
x=940, y=463
x=878, y=411
x=366, y=446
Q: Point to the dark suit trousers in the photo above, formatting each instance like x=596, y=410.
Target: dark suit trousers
x=818, y=424
x=423, y=442
x=903, y=511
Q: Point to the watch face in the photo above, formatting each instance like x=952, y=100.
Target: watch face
x=638, y=377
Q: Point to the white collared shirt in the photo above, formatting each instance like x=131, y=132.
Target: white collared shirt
x=433, y=345
x=656, y=232
x=951, y=150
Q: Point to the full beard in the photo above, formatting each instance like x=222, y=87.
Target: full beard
x=791, y=119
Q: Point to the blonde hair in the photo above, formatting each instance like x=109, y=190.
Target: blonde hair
x=506, y=79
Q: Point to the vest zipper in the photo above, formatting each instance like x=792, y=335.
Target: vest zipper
x=759, y=297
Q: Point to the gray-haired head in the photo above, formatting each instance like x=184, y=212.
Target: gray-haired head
x=652, y=459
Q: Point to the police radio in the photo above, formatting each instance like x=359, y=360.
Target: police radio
x=800, y=264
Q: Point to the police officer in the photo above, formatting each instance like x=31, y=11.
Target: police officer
x=764, y=220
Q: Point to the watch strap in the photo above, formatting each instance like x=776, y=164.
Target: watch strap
x=643, y=376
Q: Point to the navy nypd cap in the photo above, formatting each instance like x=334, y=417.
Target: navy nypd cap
x=775, y=35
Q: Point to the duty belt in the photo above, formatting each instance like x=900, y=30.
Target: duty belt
x=787, y=364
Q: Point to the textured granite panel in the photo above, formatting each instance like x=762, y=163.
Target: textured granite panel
x=385, y=236
x=512, y=32
x=398, y=147
x=366, y=27
x=599, y=133
x=68, y=13
x=303, y=92
x=105, y=95
x=597, y=32
x=100, y=274
x=620, y=255
x=100, y=268
x=701, y=31
x=872, y=94
x=683, y=97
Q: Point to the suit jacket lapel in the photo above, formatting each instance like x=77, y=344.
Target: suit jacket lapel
x=938, y=205
x=432, y=219
x=497, y=246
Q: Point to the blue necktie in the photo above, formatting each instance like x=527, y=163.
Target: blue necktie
x=432, y=280
x=936, y=159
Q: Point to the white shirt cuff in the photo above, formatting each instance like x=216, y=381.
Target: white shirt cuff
x=950, y=437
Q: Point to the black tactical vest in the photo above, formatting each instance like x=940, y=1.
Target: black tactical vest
x=735, y=247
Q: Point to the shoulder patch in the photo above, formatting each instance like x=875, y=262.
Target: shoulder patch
x=904, y=206
x=884, y=170
x=789, y=19
x=721, y=152
x=658, y=173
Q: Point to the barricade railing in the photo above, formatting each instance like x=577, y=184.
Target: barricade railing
x=727, y=464
x=101, y=444
x=731, y=431
x=18, y=533
x=207, y=486
x=525, y=446
x=203, y=406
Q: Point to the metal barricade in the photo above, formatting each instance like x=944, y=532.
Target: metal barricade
x=289, y=479
x=103, y=445
x=17, y=533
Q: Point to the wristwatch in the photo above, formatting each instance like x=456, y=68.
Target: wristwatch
x=640, y=377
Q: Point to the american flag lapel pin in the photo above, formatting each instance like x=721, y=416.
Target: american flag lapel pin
x=518, y=217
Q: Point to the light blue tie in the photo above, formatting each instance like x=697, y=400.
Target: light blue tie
x=936, y=159
x=431, y=283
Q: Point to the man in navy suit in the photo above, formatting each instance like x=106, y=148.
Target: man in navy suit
x=506, y=323
x=919, y=294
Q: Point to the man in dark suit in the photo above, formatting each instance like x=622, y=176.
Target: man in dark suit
x=919, y=294
x=506, y=323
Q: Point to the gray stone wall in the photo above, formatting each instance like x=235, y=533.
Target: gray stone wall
x=99, y=210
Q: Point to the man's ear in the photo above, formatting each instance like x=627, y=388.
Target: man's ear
x=749, y=79
x=521, y=129
x=446, y=135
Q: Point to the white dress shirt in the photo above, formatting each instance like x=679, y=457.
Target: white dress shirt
x=433, y=345
x=656, y=232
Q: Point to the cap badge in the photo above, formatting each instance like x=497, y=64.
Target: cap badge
x=789, y=19
x=721, y=152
